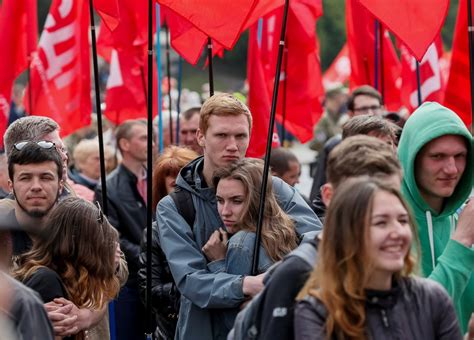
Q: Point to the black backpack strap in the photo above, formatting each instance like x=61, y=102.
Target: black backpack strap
x=183, y=201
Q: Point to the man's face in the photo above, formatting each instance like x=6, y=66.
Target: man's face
x=36, y=187
x=364, y=104
x=187, y=133
x=439, y=167
x=136, y=146
x=292, y=176
x=226, y=140
x=54, y=137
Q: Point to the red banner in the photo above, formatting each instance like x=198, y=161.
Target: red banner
x=60, y=75
x=340, y=70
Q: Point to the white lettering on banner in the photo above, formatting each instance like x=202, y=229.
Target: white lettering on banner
x=431, y=84
x=4, y=106
x=270, y=31
x=65, y=8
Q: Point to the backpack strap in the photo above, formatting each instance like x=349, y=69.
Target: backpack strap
x=306, y=251
x=183, y=201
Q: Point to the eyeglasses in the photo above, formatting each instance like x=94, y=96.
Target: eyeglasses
x=365, y=109
x=42, y=144
x=100, y=218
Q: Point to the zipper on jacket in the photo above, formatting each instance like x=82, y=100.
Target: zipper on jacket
x=384, y=318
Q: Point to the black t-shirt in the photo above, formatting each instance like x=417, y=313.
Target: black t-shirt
x=47, y=283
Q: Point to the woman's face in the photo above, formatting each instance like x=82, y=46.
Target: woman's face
x=230, y=196
x=389, y=235
x=170, y=183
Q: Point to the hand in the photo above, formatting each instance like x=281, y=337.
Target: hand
x=252, y=285
x=216, y=247
x=67, y=318
x=464, y=232
x=470, y=328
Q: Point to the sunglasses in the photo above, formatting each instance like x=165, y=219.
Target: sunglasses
x=100, y=217
x=42, y=144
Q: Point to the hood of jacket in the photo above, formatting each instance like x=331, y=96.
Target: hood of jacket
x=432, y=120
x=190, y=178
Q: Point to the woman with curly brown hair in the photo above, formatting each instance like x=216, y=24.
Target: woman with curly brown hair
x=73, y=257
x=362, y=286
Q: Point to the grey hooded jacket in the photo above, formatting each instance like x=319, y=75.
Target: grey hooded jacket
x=204, y=292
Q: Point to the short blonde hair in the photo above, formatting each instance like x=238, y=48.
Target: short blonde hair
x=222, y=104
x=85, y=148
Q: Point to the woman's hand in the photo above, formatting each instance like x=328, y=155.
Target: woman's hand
x=216, y=247
x=470, y=328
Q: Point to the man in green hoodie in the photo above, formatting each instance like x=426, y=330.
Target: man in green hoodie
x=435, y=150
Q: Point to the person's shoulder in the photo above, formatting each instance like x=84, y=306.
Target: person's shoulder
x=45, y=275
x=426, y=288
x=23, y=295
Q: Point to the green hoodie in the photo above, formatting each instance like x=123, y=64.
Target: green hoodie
x=454, y=263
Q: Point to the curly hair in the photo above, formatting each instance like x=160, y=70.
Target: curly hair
x=79, y=244
x=278, y=230
x=344, y=264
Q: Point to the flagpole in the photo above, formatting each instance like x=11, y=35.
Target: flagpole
x=160, y=90
x=209, y=59
x=418, y=82
x=149, y=171
x=30, y=95
x=285, y=84
x=99, y=110
x=381, y=54
x=180, y=88
x=266, y=166
x=376, y=55
x=470, y=29
x=168, y=74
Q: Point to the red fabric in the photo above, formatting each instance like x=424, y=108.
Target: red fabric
x=361, y=42
x=221, y=20
x=18, y=36
x=109, y=12
x=415, y=23
x=431, y=82
x=338, y=73
x=458, y=89
x=60, y=75
x=259, y=98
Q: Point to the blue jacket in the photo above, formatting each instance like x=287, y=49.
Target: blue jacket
x=202, y=290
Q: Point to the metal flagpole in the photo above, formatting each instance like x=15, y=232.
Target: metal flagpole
x=180, y=88
x=209, y=59
x=470, y=33
x=168, y=74
x=418, y=83
x=266, y=166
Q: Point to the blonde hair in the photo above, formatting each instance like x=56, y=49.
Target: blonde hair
x=278, y=230
x=222, y=104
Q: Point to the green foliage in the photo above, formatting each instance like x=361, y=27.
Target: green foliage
x=331, y=28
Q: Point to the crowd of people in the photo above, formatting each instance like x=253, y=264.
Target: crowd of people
x=382, y=248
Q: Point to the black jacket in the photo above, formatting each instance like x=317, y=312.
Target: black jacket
x=415, y=309
x=76, y=177
x=127, y=213
x=164, y=294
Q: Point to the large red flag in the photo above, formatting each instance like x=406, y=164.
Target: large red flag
x=339, y=71
x=18, y=36
x=431, y=82
x=415, y=22
x=458, y=89
x=60, y=75
x=259, y=97
x=361, y=42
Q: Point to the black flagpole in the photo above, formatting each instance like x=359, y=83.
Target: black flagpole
x=99, y=111
x=470, y=29
x=30, y=95
x=382, y=86
x=418, y=82
x=149, y=169
x=376, y=55
x=209, y=61
x=168, y=75
x=285, y=85
x=266, y=166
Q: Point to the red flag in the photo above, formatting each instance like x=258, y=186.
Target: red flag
x=431, y=82
x=415, y=23
x=60, y=75
x=339, y=71
x=361, y=42
x=299, y=99
x=109, y=12
x=19, y=35
x=259, y=100
x=458, y=89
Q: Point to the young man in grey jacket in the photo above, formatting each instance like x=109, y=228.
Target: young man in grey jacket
x=224, y=134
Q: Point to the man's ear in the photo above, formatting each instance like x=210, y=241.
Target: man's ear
x=200, y=138
x=327, y=191
x=61, y=187
x=10, y=185
x=123, y=142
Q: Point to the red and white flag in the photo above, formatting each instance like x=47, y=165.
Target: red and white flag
x=60, y=74
x=18, y=37
x=431, y=80
x=458, y=89
x=340, y=70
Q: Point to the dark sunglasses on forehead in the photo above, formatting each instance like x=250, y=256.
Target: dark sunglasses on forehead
x=42, y=144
